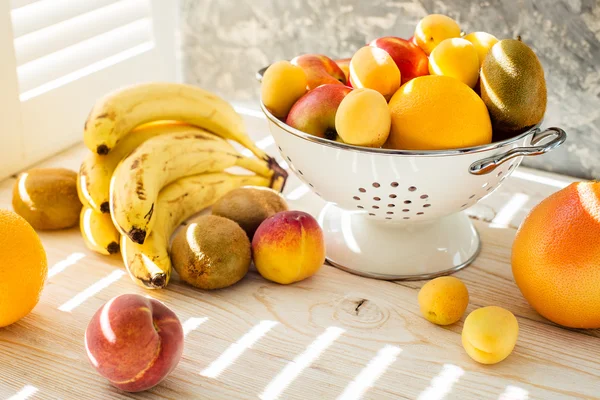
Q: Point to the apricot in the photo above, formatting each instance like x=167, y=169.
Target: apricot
x=288, y=247
x=363, y=118
x=134, y=342
x=373, y=68
x=489, y=334
x=433, y=29
x=483, y=43
x=456, y=58
x=282, y=85
x=443, y=300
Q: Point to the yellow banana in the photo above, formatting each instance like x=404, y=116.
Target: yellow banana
x=98, y=231
x=116, y=114
x=161, y=160
x=93, y=182
x=149, y=264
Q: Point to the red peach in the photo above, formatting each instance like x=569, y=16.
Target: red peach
x=344, y=64
x=410, y=59
x=134, y=342
x=288, y=247
x=314, y=112
x=320, y=70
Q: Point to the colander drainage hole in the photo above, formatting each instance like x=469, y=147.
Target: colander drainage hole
x=279, y=147
x=361, y=207
x=500, y=173
x=388, y=218
x=407, y=201
x=300, y=172
x=412, y=189
x=406, y=218
x=471, y=196
x=393, y=196
x=424, y=196
x=311, y=185
x=511, y=166
x=356, y=198
x=362, y=190
x=405, y=210
x=376, y=207
x=376, y=198
x=420, y=213
x=394, y=184
x=391, y=205
x=390, y=212
x=371, y=214
x=426, y=205
x=464, y=205
x=289, y=159
x=490, y=188
x=376, y=185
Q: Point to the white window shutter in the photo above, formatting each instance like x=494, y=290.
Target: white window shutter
x=70, y=53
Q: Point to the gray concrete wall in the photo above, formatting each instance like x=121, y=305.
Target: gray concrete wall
x=224, y=42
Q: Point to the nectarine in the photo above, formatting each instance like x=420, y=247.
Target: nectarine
x=409, y=58
x=320, y=70
x=134, y=342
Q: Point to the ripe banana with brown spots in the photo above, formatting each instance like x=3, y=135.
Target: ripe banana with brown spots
x=161, y=160
x=93, y=181
x=118, y=113
x=98, y=231
x=149, y=264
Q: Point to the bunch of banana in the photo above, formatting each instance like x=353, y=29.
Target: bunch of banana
x=159, y=152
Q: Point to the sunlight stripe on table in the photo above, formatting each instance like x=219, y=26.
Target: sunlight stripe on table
x=192, y=324
x=234, y=351
x=63, y=264
x=369, y=374
x=92, y=290
x=293, y=369
x=506, y=214
x=442, y=384
x=24, y=393
x=298, y=193
x=539, y=179
x=514, y=393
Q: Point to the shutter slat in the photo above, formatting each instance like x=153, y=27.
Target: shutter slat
x=85, y=26
x=43, y=13
x=83, y=54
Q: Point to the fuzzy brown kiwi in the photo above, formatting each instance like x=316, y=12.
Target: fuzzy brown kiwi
x=47, y=198
x=249, y=206
x=211, y=252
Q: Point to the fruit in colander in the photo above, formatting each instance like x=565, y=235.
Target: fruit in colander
x=437, y=112
x=363, y=118
x=433, y=29
x=374, y=68
x=409, y=58
x=456, y=58
x=320, y=70
x=314, y=112
x=483, y=43
x=282, y=85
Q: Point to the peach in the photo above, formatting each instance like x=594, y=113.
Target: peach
x=282, y=85
x=363, y=118
x=489, y=334
x=374, y=68
x=320, y=70
x=433, y=29
x=443, y=300
x=409, y=58
x=344, y=64
x=134, y=342
x=314, y=112
x=288, y=247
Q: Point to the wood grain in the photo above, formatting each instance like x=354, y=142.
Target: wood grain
x=45, y=349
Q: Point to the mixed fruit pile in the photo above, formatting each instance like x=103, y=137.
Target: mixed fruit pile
x=438, y=90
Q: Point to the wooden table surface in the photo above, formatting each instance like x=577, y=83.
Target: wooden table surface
x=334, y=335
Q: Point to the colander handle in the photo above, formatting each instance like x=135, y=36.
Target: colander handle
x=489, y=164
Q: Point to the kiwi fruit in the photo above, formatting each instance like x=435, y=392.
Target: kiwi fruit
x=47, y=198
x=513, y=88
x=249, y=206
x=211, y=252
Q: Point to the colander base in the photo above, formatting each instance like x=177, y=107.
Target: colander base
x=391, y=251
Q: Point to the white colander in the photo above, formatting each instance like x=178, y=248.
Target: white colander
x=395, y=214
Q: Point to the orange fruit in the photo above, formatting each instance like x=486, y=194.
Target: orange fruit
x=436, y=113
x=556, y=256
x=23, y=267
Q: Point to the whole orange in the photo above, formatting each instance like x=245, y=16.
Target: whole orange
x=23, y=267
x=556, y=256
x=437, y=113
